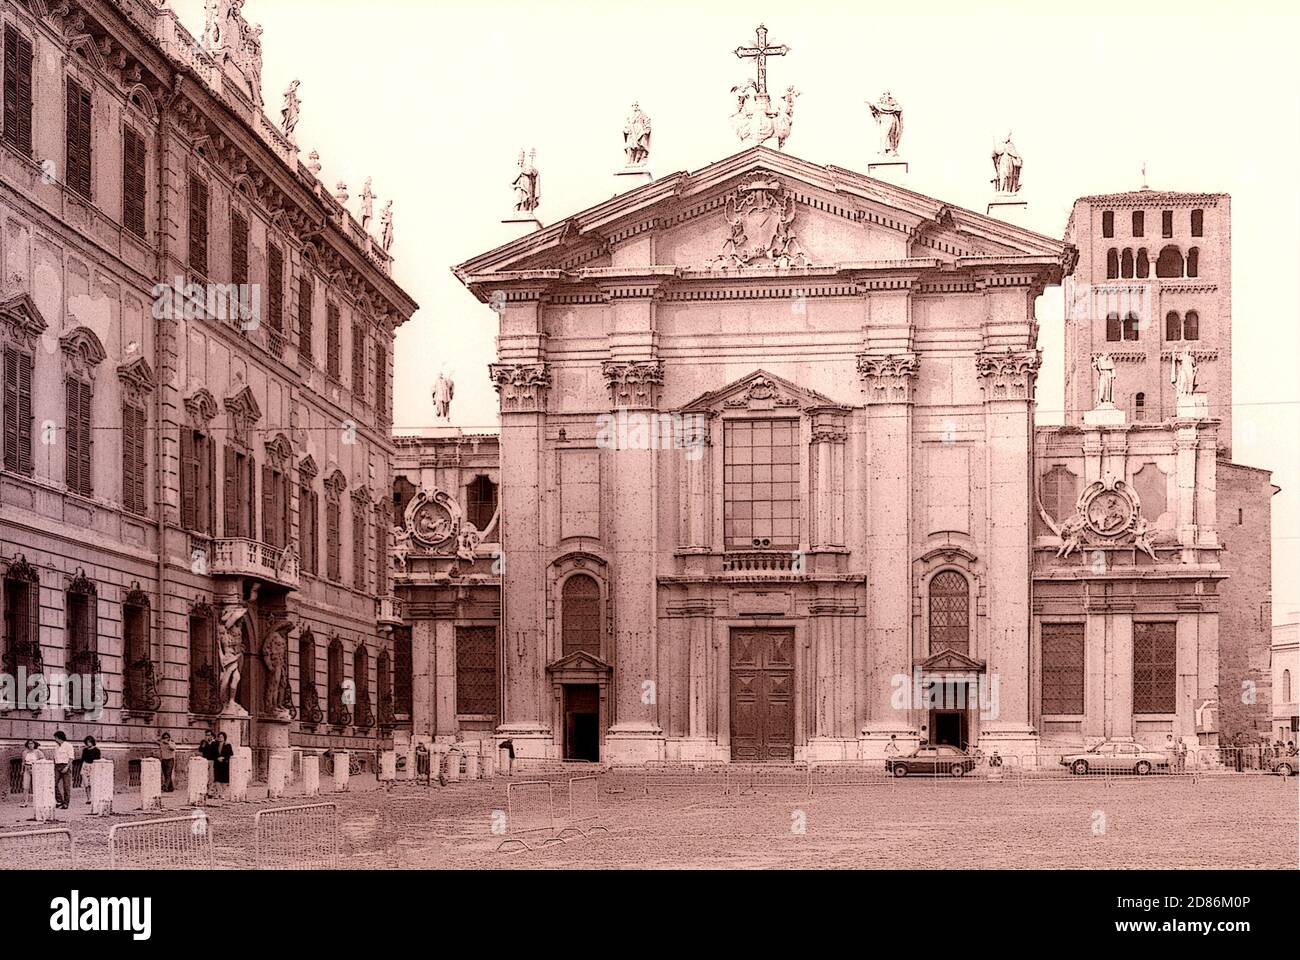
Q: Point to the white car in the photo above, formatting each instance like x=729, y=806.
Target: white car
x=1116, y=756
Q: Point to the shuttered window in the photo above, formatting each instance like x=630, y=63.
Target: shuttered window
x=238, y=494
x=238, y=248
x=359, y=362
x=359, y=544
x=381, y=550
x=133, y=181
x=133, y=459
x=198, y=226
x=18, y=91
x=307, y=513
x=79, y=131
x=1063, y=668
x=332, y=569
x=17, y=410
x=332, y=359
x=275, y=507
x=304, y=318
x=77, y=437
x=275, y=287
x=198, y=469
x=381, y=381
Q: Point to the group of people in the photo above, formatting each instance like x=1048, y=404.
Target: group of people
x=1242, y=753
x=64, y=754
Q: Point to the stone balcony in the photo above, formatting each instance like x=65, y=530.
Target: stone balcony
x=388, y=610
x=758, y=563
x=239, y=557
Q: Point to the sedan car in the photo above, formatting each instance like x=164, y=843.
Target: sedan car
x=1116, y=756
x=1286, y=766
x=932, y=762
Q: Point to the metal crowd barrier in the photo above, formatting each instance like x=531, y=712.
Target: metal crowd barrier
x=301, y=837
x=167, y=843
x=32, y=849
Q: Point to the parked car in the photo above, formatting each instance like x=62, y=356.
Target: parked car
x=1286, y=766
x=1116, y=756
x=937, y=761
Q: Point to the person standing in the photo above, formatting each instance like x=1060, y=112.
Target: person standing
x=223, y=753
x=1171, y=752
x=167, y=757
x=1182, y=756
x=63, y=756
x=208, y=751
x=31, y=753
x=89, y=754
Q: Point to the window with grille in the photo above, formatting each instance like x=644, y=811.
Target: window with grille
x=133, y=459
x=949, y=613
x=77, y=442
x=580, y=616
x=1155, y=656
x=198, y=238
x=761, y=484
x=339, y=714
x=205, y=681
x=17, y=410
x=1062, y=658
x=332, y=335
x=22, y=620
x=363, y=715
x=481, y=502
x=133, y=181
x=304, y=318
x=80, y=132
x=198, y=481
x=476, y=671
x=403, y=666
x=139, y=687
x=308, y=698
x=82, y=626
x=18, y=91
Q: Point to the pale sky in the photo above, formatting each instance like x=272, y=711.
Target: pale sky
x=434, y=99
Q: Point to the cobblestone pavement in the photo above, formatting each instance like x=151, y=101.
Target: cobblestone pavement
x=1226, y=822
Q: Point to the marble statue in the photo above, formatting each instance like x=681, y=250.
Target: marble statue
x=1006, y=166
x=1142, y=538
x=467, y=541
x=275, y=659
x=289, y=112
x=367, y=204
x=231, y=652
x=1183, y=374
x=888, y=114
x=1104, y=364
x=443, y=390
x=527, y=184
x=636, y=137
x=386, y=226
x=252, y=57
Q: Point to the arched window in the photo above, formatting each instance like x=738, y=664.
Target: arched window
x=949, y=613
x=1286, y=686
x=1170, y=262
x=82, y=625
x=1143, y=264
x=1112, y=327
x=580, y=616
x=1173, y=326
x=205, y=691
x=22, y=619
x=481, y=502
x=308, y=698
x=1126, y=264
x=339, y=714
x=1192, y=326
x=1193, y=261
x=1139, y=406
x=1112, y=264
x=1131, y=326
x=139, y=687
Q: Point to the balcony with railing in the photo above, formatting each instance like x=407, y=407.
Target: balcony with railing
x=760, y=563
x=239, y=557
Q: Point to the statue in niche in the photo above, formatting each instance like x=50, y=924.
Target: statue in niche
x=1104, y=364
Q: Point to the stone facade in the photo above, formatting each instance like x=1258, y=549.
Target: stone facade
x=176, y=444
x=1285, y=668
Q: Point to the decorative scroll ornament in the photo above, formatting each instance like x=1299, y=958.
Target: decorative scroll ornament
x=433, y=520
x=634, y=383
x=760, y=218
x=1107, y=513
x=1009, y=375
x=888, y=379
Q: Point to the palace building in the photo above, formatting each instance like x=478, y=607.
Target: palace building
x=197, y=343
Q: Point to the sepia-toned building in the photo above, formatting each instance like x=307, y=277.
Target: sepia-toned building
x=197, y=343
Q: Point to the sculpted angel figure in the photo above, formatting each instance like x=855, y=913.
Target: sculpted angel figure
x=1071, y=532
x=1142, y=538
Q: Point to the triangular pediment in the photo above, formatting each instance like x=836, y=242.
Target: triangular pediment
x=757, y=213
x=759, y=390
x=578, y=662
x=22, y=317
x=951, y=661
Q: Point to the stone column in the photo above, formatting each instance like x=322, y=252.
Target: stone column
x=888, y=381
x=150, y=784
x=310, y=775
x=43, y=791
x=342, y=770
x=636, y=734
x=444, y=673
x=826, y=531
x=525, y=709
x=422, y=686
x=197, y=781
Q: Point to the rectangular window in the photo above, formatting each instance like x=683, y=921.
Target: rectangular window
x=77, y=437
x=1198, y=223
x=1139, y=223
x=381, y=552
x=80, y=132
x=359, y=361
x=198, y=481
x=238, y=248
x=333, y=569
x=476, y=671
x=333, y=362
x=359, y=545
x=1166, y=223
x=275, y=287
x=1063, y=668
x=1155, y=656
x=304, y=318
x=307, y=509
x=275, y=507
x=17, y=410
x=18, y=91
x=133, y=182
x=403, y=667
x=133, y=459
x=761, y=484
x=198, y=252
x=1132, y=327
x=1108, y=223
x=239, y=494
x=381, y=382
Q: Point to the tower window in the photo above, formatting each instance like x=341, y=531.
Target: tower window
x=1126, y=265
x=1139, y=223
x=1108, y=223
x=1193, y=261
x=1173, y=326
x=1143, y=264
x=1167, y=223
x=1140, y=406
x=1112, y=264
x=1112, y=327
x=1131, y=326
x=1192, y=326
x=1198, y=223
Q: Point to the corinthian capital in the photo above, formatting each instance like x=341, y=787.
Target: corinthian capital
x=633, y=384
x=521, y=386
x=888, y=378
x=1008, y=374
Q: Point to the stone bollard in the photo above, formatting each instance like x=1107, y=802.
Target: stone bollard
x=198, y=781
x=388, y=766
x=471, y=766
x=453, y=766
x=341, y=770
x=43, y=790
x=277, y=775
x=241, y=772
x=487, y=766
x=101, y=788
x=310, y=775
x=150, y=784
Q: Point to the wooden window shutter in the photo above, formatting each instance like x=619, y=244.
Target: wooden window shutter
x=359, y=544
x=208, y=493
x=250, y=500
x=198, y=226
x=133, y=182
x=189, y=480
x=275, y=287
x=133, y=459
x=332, y=540
x=381, y=381
x=359, y=361
x=332, y=359
x=77, y=436
x=304, y=317
x=83, y=424
x=282, y=508
x=269, y=532
x=78, y=123
x=24, y=364
x=238, y=248
x=230, y=489
x=11, y=419
x=18, y=91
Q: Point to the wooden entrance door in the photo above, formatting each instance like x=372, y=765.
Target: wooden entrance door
x=582, y=722
x=762, y=694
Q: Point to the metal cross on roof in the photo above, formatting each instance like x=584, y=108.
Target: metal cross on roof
x=759, y=52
